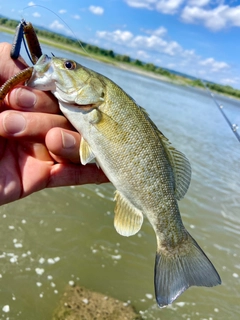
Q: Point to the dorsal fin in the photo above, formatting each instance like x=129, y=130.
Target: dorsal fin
x=181, y=168
x=128, y=219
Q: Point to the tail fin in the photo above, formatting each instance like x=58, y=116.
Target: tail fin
x=174, y=273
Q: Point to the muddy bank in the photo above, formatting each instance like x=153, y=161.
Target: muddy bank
x=79, y=303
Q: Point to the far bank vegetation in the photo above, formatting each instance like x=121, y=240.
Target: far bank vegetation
x=106, y=55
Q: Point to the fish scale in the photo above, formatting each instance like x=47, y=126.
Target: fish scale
x=149, y=174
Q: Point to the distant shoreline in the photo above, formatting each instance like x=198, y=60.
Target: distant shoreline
x=94, y=57
x=176, y=80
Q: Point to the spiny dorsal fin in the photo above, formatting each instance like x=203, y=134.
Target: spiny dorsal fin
x=181, y=168
x=86, y=154
x=128, y=219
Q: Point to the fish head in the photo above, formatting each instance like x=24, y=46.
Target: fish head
x=68, y=80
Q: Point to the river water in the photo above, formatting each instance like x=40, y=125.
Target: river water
x=67, y=234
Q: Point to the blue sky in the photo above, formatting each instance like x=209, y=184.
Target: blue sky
x=197, y=37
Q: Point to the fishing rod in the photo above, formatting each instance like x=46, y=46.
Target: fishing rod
x=233, y=126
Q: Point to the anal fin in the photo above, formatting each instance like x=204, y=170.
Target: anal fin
x=128, y=219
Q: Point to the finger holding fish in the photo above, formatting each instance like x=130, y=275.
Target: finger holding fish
x=20, y=97
x=52, y=130
x=63, y=144
x=21, y=118
x=31, y=100
x=28, y=125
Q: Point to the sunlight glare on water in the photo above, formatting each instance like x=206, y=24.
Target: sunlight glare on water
x=66, y=236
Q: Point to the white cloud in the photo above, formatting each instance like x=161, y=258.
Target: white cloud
x=154, y=46
x=214, y=17
x=156, y=43
x=56, y=25
x=233, y=81
x=168, y=6
x=36, y=15
x=148, y=4
x=153, y=42
x=171, y=66
x=198, y=3
x=161, y=31
x=76, y=16
x=233, y=16
x=62, y=11
x=229, y=81
x=213, y=65
x=31, y=4
x=117, y=36
x=164, y=6
x=142, y=55
x=96, y=10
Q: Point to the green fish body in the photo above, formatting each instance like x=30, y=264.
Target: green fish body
x=149, y=174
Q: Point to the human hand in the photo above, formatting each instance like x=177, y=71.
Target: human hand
x=38, y=146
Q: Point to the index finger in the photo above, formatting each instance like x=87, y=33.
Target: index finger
x=23, y=98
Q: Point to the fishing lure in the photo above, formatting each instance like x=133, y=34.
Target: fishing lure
x=26, y=33
x=26, y=30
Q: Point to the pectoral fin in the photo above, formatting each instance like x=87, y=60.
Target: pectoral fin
x=86, y=154
x=128, y=219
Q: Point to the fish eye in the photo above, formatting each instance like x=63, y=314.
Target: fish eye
x=70, y=65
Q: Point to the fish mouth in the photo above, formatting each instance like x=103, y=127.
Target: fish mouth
x=87, y=107
x=41, y=78
x=43, y=64
x=84, y=108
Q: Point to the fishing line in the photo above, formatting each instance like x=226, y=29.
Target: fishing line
x=74, y=35
x=234, y=127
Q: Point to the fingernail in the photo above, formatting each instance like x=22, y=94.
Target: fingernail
x=25, y=98
x=68, y=140
x=14, y=123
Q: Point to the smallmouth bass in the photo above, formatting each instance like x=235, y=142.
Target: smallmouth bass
x=149, y=174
